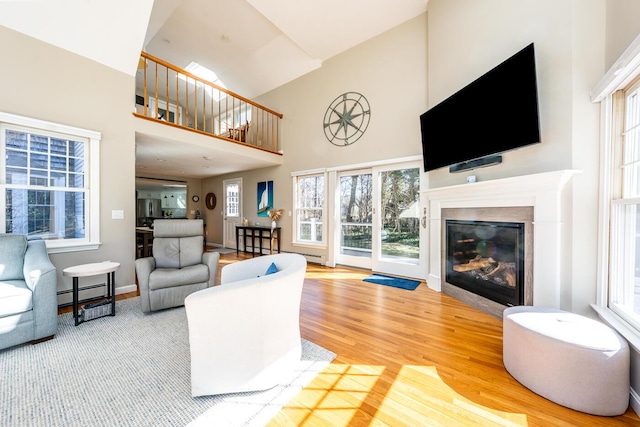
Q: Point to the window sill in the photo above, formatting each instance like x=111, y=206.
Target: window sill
x=73, y=247
x=631, y=334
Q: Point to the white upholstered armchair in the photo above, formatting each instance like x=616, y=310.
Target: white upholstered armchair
x=244, y=335
x=179, y=266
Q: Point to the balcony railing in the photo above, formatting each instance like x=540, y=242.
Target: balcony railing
x=168, y=94
x=356, y=236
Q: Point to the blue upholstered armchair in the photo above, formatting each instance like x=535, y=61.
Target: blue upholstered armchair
x=28, y=286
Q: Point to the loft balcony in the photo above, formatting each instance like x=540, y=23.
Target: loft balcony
x=185, y=120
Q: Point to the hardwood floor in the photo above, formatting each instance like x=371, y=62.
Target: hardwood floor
x=410, y=358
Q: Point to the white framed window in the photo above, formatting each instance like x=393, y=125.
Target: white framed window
x=309, y=221
x=162, y=111
x=618, y=92
x=231, y=119
x=49, y=179
x=624, y=268
x=232, y=205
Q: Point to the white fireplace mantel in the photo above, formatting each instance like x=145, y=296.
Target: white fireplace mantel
x=543, y=191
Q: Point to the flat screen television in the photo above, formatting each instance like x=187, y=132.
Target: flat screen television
x=495, y=113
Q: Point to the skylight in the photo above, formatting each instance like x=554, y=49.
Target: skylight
x=207, y=74
x=204, y=72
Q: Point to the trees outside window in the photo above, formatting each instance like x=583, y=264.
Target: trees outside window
x=45, y=180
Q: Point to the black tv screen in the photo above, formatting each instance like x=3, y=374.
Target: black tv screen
x=495, y=113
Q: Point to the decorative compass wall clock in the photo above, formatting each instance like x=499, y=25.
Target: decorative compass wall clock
x=346, y=119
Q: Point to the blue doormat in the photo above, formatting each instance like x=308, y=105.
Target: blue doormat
x=396, y=282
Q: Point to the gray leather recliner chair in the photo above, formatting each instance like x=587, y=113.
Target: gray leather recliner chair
x=179, y=266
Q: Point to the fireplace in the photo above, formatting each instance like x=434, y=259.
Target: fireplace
x=487, y=259
x=540, y=201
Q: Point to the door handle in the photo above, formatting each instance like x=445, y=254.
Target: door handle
x=423, y=221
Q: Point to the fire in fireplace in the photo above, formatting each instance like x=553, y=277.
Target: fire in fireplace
x=486, y=258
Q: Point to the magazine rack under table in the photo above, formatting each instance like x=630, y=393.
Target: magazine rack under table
x=84, y=270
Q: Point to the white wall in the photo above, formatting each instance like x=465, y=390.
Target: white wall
x=623, y=27
x=389, y=70
x=416, y=65
x=48, y=83
x=467, y=38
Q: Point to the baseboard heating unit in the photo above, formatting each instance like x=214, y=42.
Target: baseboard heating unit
x=315, y=259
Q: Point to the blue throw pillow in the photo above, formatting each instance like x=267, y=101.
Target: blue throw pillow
x=272, y=269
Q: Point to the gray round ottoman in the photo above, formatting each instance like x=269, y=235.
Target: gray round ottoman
x=567, y=358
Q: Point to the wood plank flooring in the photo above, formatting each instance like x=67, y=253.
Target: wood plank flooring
x=410, y=358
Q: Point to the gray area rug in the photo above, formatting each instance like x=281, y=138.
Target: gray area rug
x=130, y=370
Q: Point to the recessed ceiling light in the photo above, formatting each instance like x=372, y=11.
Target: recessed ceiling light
x=161, y=160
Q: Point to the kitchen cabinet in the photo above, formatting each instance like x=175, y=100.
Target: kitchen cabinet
x=166, y=200
x=174, y=200
x=149, y=195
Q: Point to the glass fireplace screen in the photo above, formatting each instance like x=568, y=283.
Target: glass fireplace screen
x=486, y=258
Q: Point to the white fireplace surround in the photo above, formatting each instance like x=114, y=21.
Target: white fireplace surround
x=543, y=191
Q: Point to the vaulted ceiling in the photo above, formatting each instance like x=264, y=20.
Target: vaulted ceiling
x=257, y=45
x=253, y=45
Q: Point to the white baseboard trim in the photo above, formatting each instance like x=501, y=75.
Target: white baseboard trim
x=126, y=289
x=635, y=402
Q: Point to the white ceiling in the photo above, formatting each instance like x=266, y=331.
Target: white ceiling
x=98, y=30
x=257, y=45
x=253, y=45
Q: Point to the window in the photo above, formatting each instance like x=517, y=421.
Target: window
x=226, y=121
x=618, y=299
x=233, y=200
x=309, y=201
x=47, y=175
x=625, y=202
x=162, y=111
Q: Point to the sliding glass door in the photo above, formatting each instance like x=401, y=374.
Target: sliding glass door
x=356, y=215
x=381, y=220
x=397, y=248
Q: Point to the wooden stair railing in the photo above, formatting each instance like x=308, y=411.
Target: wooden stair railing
x=168, y=94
